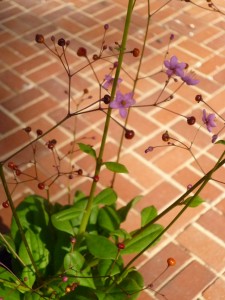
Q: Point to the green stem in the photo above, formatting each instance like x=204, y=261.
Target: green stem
x=87, y=212
x=134, y=87
x=9, y=198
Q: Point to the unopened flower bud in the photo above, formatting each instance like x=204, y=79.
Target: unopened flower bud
x=39, y=38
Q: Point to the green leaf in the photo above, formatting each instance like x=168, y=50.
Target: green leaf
x=101, y=247
x=220, y=142
x=123, y=211
x=40, y=255
x=79, y=195
x=9, y=282
x=108, y=219
x=147, y=215
x=142, y=240
x=196, y=201
x=109, y=267
x=87, y=149
x=116, y=167
x=5, y=292
x=74, y=260
x=81, y=293
x=106, y=197
x=32, y=213
x=131, y=285
x=122, y=233
x=32, y=296
x=67, y=219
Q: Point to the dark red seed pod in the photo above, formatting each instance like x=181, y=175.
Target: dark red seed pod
x=106, y=99
x=5, y=204
x=171, y=262
x=27, y=129
x=18, y=172
x=198, y=98
x=165, y=136
x=96, y=178
x=80, y=172
x=129, y=134
x=51, y=146
x=82, y=51
x=39, y=132
x=61, y=42
x=136, y=52
x=120, y=246
x=11, y=165
x=39, y=38
x=106, y=26
x=191, y=120
x=41, y=185
x=95, y=57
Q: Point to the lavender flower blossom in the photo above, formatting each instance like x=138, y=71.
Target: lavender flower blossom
x=174, y=67
x=189, y=79
x=209, y=120
x=122, y=102
x=109, y=81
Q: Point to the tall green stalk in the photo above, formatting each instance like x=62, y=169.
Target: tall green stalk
x=87, y=212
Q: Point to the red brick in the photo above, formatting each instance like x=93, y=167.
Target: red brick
x=12, y=143
x=8, y=56
x=13, y=80
x=55, y=89
x=193, y=278
x=213, y=222
x=41, y=106
x=32, y=63
x=45, y=72
x=23, y=98
x=212, y=253
x=160, y=196
x=215, y=291
x=70, y=26
x=157, y=264
x=140, y=172
x=196, y=48
x=6, y=122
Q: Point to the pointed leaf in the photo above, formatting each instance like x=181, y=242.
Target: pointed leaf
x=142, y=240
x=116, y=167
x=67, y=219
x=196, y=201
x=123, y=211
x=87, y=149
x=220, y=142
x=147, y=215
x=108, y=219
x=101, y=247
x=106, y=197
x=40, y=256
x=32, y=213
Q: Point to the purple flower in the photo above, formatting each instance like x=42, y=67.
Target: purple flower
x=122, y=102
x=189, y=79
x=208, y=120
x=109, y=81
x=174, y=67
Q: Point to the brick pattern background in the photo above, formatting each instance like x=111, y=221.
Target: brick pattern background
x=33, y=89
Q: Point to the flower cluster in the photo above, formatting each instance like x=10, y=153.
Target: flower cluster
x=175, y=68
